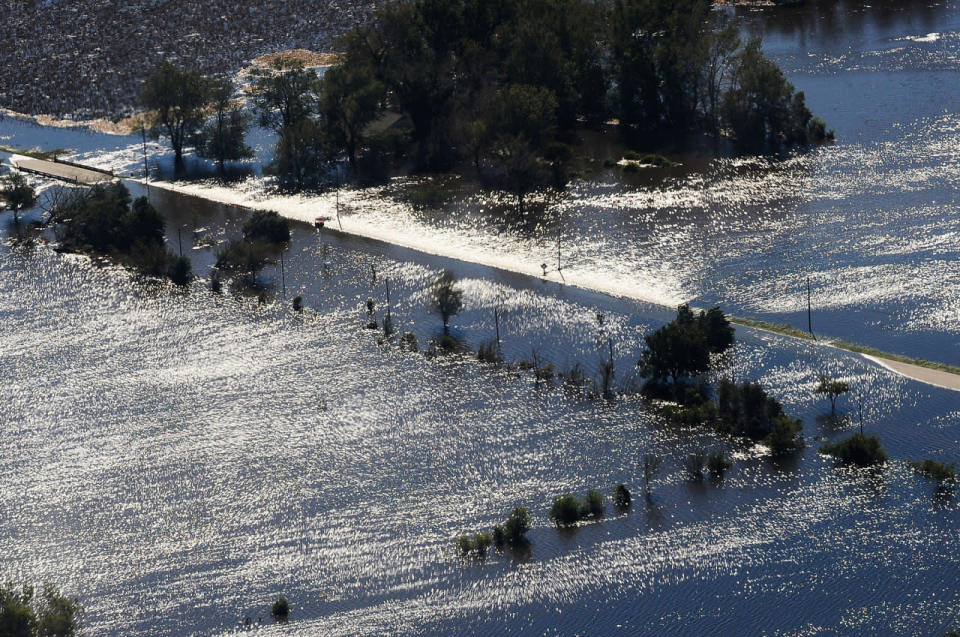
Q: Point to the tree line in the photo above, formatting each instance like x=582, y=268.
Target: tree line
x=504, y=85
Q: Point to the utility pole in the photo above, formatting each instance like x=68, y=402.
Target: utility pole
x=496, y=322
x=338, y=199
x=146, y=171
x=283, y=276
x=860, y=410
x=809, y=310
x=386, y=282
x=179, y=242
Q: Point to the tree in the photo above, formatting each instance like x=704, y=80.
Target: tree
x=17, y=194
x=23, y=614
x=267, y=226
x=761, y=107
x=351, y=99
x=176, y=99
x=682, y=348
x=859, y=449
x=833, y=389
x=446, y=298
x=242, y=257
x=286, y=98
x=222, y=138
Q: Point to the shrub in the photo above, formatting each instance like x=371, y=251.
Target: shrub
x=747, y=410
x=23, y=613
x=516, y=527
x=266, y=226
x=717, y=463
x=464, y=545
x=481, y=542
x=565, y=510
x=280, y=609
x=621, y=497
x=859, y=449
x=592, y=504
x=489, y=352
x=544, y=372
x=215, y=283
x=785, y=436
x=298, y=303
x=476, y=546
x=694, y=464
x=499, y=537
x=408, y=342
x=180, y=270
x=242, y=257
x=938, y=471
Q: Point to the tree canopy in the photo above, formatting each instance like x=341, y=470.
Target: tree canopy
x=175, y=98
x=17, y=194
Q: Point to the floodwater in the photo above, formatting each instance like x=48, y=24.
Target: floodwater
x=180, y=459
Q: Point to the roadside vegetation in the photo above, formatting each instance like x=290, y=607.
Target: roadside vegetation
x=104, y=221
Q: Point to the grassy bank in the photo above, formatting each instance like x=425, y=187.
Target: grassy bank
x=788, y=330
x=36, y=153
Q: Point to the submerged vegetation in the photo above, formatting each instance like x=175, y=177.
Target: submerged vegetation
x=103, y=220
x=859, y=449
x=24, y=613
x=505, y=87
x=942, y=473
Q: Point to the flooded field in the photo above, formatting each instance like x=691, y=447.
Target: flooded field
x=178, y=459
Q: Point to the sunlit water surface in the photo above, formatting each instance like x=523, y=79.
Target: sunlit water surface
x=178, y=460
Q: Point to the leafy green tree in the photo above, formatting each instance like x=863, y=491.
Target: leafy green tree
x=351, y=99
x=446, y=298
x=17, y=194
x=24, y=614
x=859, y=449
x=832, y=388
x=286, y=97
x=761, y=107
x=175, y=99
x=222, y=138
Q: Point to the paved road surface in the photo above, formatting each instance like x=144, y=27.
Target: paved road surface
x=64, y=172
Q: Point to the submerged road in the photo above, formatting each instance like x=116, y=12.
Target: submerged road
x=59, y=170
x=935, y=377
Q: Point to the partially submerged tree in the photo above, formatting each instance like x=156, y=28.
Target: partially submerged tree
x=446, y=298
x=682, y=349
x=242, y=258
x=832, y=388
x=351, y=99
x=175, y=99
x=17, y=194
x=23, y=613
x=222, y=138
x=286, y=97
x=267, y=226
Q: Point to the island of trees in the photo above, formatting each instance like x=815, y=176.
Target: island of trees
x=503, y=86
